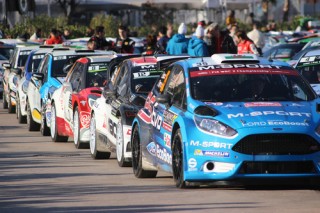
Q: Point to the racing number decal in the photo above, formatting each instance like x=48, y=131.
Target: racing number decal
x=112, y=128
x=156, y=120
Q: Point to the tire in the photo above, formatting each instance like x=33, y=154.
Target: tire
x=122, y=162
x=44, y=129
x=4, y=101
x=137, y=157
x=21, y=119
x=76, y=131
x=54, y=127
x=95, y=154
x=177, y=160
x=32, y=125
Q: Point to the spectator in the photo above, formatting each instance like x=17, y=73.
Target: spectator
x=257, y=37
x=179, y=43
x=92, y=45
x=231, y=18
x=89, y=32
x=169, y=30
x=151, y=41
x=123, y=43
x=196, y=45
x=250, y=19
x=222, y=41
x=102, y=43
x=66, y=34
x=245, y=45
x=163, y=40
x=233, y=30
x=37, y=35
x=54, y=37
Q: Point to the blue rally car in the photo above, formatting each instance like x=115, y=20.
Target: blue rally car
x=228, y=118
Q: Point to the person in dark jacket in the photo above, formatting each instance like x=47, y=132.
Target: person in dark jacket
x=163, y=40
x=196, y=45
x=123, y=43
x=222, y=42
x=102, y=43
x=178, y=44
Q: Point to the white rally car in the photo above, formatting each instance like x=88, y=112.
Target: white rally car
x=31, y=66
x=71, y=103
x=112, y=114
x=12, y=74
x=51, y=73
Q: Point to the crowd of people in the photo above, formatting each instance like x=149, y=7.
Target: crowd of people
x=205, y=39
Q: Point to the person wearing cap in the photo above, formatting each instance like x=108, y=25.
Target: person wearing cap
x=178, y=44
x=196, y=45
x=102, y=43
x=123, y=43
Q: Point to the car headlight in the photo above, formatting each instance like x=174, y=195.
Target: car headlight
x=92, y=99
x=214, y=127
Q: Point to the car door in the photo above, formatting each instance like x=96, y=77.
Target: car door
x=70, y=87
x=164, y=114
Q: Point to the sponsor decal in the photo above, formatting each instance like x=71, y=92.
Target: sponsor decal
x=159, y=152
x=191, y=106
x=151, y=147
x=217, y=103
x=168, y=119
x=262, y=104
x=83, y=102
x=128, y=132
x=217, y=145
x=273, y=123
x=212, y=153
x=85, y=119
x=261, y=113
x=229, y=106
x=156, y=120
x=192, y=163
x=167, y=140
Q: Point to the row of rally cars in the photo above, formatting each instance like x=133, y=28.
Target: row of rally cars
x=205, y=120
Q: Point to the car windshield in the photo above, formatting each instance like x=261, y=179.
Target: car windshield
x=62, y=64
x=142, y=79
x=34, y=62
x=237, y=85
x=311, y=73
x=97, y=74
x=23, y=56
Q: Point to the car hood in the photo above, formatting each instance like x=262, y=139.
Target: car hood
x=262, y=114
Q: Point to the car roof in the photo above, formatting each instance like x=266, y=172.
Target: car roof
x=218, y=59
x=67, y=51
x=97, y=58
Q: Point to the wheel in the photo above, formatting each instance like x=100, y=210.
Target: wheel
x=32, y=125
x=21, y=119
x=4, y=101
x=177, y=160
x=44, y=129
x=95, y=154
x=122, y=162
x=76, y=130
x=137, y=157
x=54, y=127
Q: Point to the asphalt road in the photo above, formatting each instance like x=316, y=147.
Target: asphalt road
x=38, y=175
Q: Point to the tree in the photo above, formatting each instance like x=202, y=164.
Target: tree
x=68, y=6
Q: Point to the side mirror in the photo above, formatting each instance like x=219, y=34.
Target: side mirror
x=6, y=65
x=16, y=71
x=38, y=76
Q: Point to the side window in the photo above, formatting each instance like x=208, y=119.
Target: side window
x=75, y=78
x=121, y=83
x=43, y=68
x=176, y=87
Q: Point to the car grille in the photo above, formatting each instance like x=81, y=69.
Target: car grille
x=277, y=144
x=292, y=167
